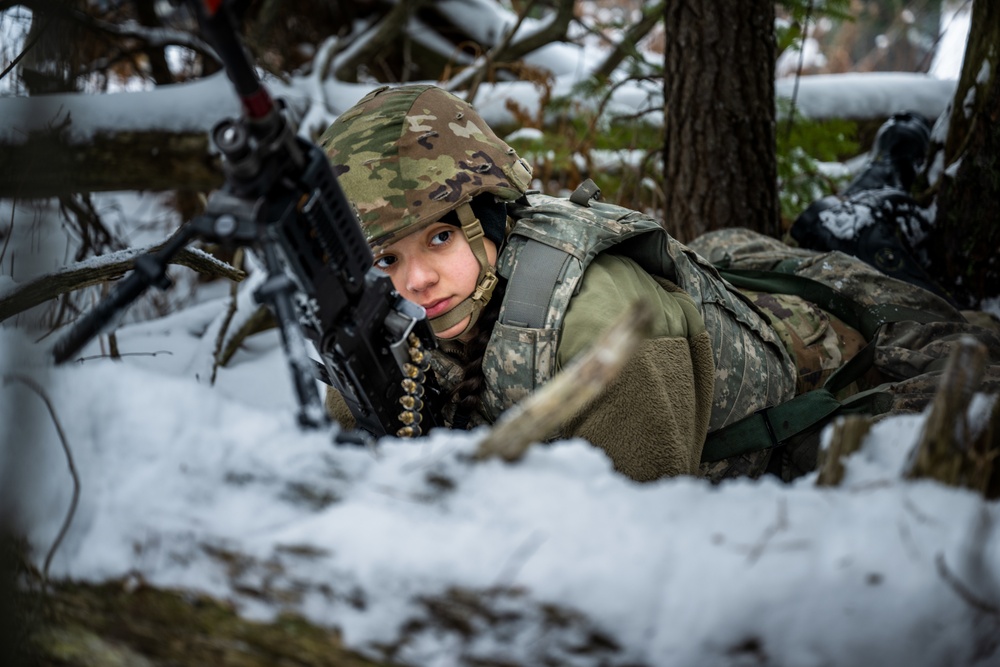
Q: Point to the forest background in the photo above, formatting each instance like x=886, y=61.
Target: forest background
x=675, y=111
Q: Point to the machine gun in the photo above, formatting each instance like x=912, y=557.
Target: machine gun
x=282, y=199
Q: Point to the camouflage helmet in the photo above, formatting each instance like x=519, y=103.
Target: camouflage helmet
x=405, y=156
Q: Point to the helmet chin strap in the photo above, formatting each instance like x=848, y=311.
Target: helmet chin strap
x=472, y=306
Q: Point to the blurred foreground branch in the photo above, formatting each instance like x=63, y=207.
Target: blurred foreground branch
x=847, y=435
x=538, y=417
x=953, y=449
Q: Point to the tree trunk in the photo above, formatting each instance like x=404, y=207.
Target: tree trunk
x=965, y=243
x=719, y=153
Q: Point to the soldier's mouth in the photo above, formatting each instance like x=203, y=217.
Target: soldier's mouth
x=435, y=308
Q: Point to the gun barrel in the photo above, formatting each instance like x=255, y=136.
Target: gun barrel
x=217, y=25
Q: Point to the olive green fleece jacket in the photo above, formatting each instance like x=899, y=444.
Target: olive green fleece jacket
x=653, y=419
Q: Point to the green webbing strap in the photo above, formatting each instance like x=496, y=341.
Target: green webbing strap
x=770, y=427
x=866, y=319
x=773, y=426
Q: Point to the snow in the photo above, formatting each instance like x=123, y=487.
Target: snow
x=173, y=108
x=197, y=106
x=175, y=473
x=955, y=19
x=868, y=95
x=846, y=222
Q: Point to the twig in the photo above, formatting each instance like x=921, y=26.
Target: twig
x=10, y=230
x=492, y=55
x=31, y=384
x=541, y=414
x=123, y=355
x=962, y=590
x=518, y=558
x=846, y=438
x=629, y=43
x=27, y=47
x=798, y=72
x=780, y=524
x=946, y=449
x=230, y=311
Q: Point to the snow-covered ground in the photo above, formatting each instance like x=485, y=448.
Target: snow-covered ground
x=178, y=478
x=214, y=488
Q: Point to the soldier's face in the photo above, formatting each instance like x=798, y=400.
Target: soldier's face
x=434, y=268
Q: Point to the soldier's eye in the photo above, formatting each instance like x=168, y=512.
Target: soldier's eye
x=384, y=262
x=441, y=237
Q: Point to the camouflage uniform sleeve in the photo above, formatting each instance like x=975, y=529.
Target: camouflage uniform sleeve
x=653, y=419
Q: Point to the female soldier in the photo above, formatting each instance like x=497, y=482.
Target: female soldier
x=516, y=284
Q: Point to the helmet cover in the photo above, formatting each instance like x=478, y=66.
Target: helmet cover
x=405, y=156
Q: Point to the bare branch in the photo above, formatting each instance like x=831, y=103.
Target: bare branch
x=97, y=270
x=478, y=71
x=508, y=51
x=627, y=45
x=31, y=384
x=390, y=29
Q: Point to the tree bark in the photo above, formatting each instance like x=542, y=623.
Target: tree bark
x=965, y=243
x=720, y=167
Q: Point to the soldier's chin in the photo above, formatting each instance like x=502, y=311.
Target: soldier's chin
x=455, y=332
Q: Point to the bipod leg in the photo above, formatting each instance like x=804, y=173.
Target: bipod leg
x=276, y=293
x=150, y=271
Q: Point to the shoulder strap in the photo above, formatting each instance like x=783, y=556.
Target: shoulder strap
x=527, y=299
x=541, y=266
x=866, y=319
x=773, y=426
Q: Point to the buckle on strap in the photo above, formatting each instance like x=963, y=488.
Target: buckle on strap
x=741, y=437
x=484, y=290
x=764, y=414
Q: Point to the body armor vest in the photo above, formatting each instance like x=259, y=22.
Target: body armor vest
x=548, y=250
